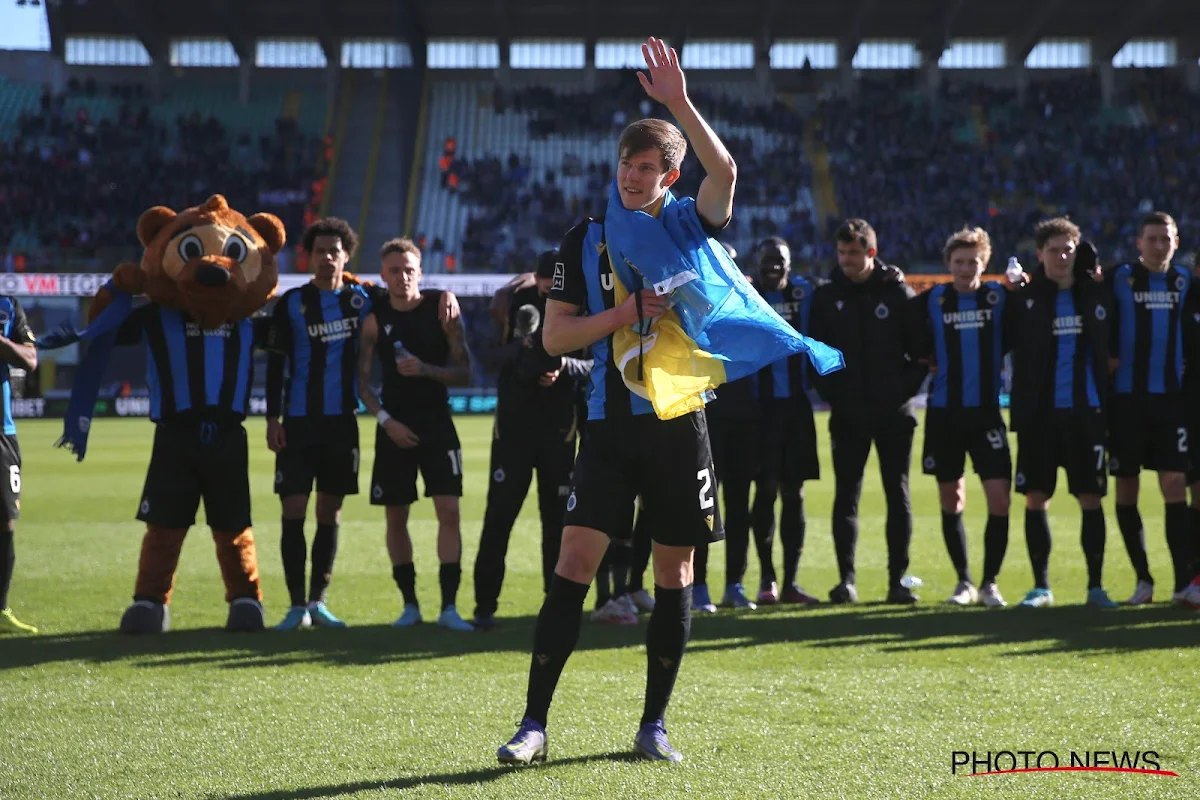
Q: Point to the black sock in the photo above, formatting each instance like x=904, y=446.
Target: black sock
x=792, y=528
x=8, y=557
x=666, y=636
x=1179, y=541
x=955, y=537
x=603, y=573
x=1134, y=536
x=1196, y=540
x=620, y=554
x=1037, y=539
x=699, y=565
x=449, y=575
x=995, y=545
x=405, y=576
x=324, y=551
x=295, y=553
x=554, y=638
x=1092, y=537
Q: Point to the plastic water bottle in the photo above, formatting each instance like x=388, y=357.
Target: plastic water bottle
x=1014, y=270
x=400, y=352
x=911, y=582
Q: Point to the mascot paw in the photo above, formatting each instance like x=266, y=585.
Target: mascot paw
x=245, y=615
x=145, y=616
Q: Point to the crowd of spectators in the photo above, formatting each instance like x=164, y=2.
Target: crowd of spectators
x=71, y=179
x=916, y=166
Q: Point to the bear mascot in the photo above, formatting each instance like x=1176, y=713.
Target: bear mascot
x=205, y=271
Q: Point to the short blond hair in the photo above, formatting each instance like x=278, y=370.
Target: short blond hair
x=969, y=237
x=401, y=244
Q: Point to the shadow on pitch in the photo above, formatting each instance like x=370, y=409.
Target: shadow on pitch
x=466, y=778
x=883, y=628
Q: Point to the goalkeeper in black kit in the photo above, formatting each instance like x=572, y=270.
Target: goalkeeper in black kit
x=535, y=429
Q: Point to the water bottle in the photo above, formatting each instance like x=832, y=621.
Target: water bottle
x=1014, y=270
x=400, y=352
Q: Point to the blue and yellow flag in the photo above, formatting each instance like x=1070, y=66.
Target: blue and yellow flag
x=718, y=328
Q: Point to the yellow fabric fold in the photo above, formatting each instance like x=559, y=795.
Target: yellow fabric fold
x=676, y=372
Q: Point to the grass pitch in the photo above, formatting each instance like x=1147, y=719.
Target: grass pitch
x=865, y=702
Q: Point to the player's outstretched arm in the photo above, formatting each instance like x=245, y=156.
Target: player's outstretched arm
x=667, y=85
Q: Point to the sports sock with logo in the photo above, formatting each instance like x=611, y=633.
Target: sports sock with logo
x=295, y=552
x=1037, y=540
x=554, y=638
x=405, y=576
x=324, y=551
x=995, y=545
x=1129, y=520
x=1092, y=537
x=955, y=537
x=666, y=637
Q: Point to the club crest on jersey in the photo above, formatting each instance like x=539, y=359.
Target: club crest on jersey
x=797, y=292
x=881, y=311
x=498, y=476
x=560, y=274
x=1020, y=479
x=1101, y=313
x=377, y=491
x=571, y=502
x=993, y=298
x=1180, y=282
x=356, y=301
x=929, y=462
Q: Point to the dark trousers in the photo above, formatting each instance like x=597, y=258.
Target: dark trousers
x=851, y=440
x=515, y=455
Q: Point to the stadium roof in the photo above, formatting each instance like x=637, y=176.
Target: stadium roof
x=1109, y=23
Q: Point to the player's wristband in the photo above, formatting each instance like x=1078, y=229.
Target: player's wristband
x=382, y=417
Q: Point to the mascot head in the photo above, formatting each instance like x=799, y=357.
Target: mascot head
x=210, y=261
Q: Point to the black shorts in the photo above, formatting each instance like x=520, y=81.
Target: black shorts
x=1148, y=431
x=789, y=442
x=667, y=462
x=191, y=461
x=952, y=433
x=319, y=449
x=735, y=448
x=10, y=462
x=438, y=457
x=1071, y=439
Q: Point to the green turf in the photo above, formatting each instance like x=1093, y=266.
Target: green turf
x=866, y=702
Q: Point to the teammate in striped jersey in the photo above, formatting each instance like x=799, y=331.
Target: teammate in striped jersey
x=963, y=323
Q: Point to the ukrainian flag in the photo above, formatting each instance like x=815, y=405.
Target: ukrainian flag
x=718, y=328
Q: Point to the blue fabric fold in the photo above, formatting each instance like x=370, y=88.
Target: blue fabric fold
x=717, y=306
x=102, y=335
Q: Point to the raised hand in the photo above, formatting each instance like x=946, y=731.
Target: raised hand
x=666, y=83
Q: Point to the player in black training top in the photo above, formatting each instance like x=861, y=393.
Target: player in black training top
x=963, y=327
x=628, y=450
x=864, y=312
x=1058, y=329
x=535, y=428
x=16, y=350
x=1148, y=420
x=419, y=356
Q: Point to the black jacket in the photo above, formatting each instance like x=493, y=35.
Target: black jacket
x=874, y=327
x=1029, y=334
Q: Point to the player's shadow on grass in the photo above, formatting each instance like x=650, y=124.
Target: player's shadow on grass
x=465, y=778
x=885, y=628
